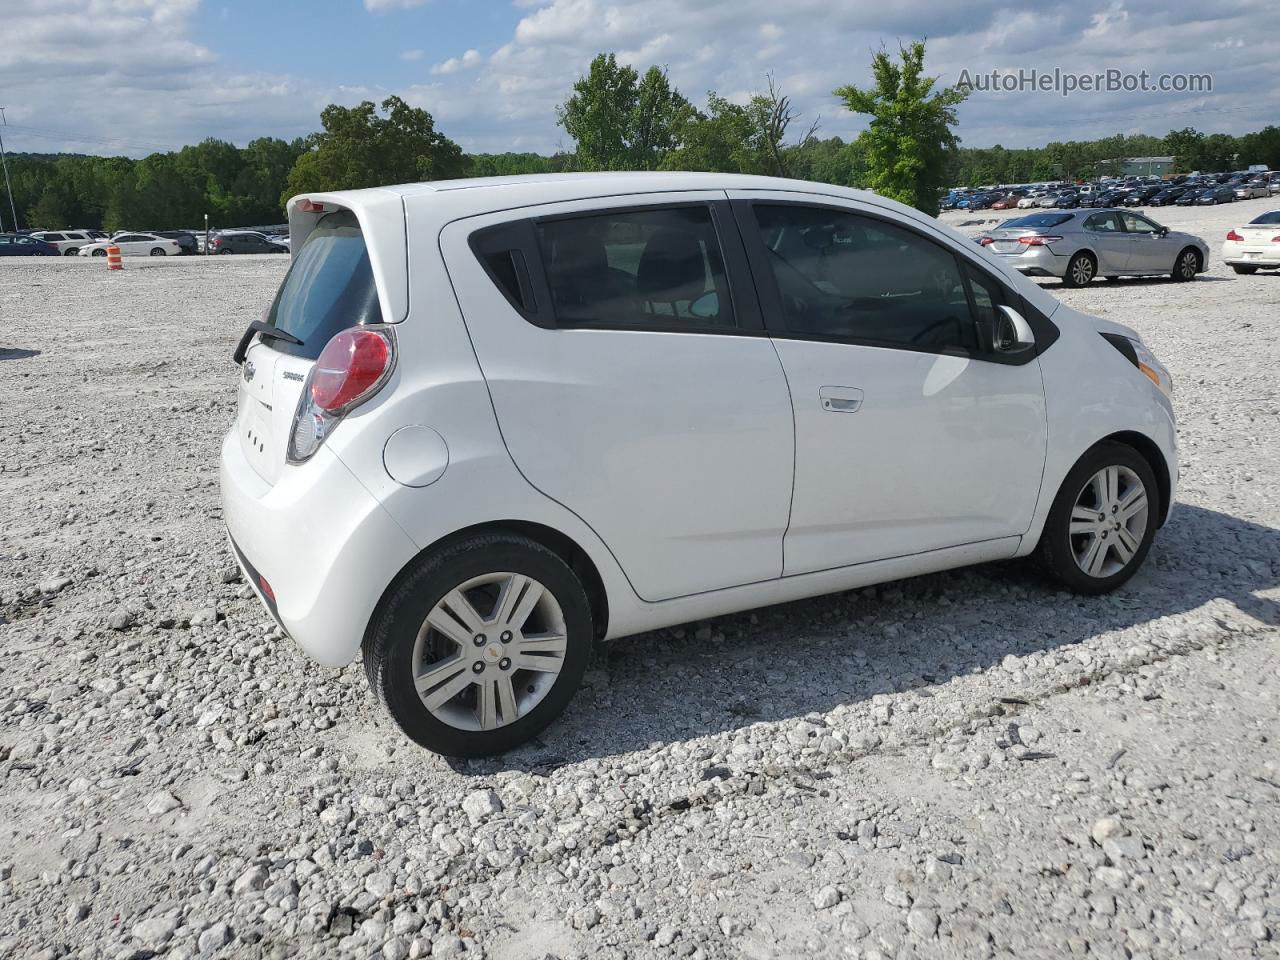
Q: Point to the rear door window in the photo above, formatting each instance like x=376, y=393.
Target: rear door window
x=329, y=287
x=655, y=268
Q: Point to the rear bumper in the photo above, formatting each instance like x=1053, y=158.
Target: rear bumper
x=1251, y=254
x=324, y=544
x=1035, y=262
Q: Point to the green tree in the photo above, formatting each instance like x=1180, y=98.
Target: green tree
x=360, y=147
x=622, y=121
x=910, y=131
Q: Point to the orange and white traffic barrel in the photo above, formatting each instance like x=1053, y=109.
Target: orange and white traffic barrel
x=113, y=259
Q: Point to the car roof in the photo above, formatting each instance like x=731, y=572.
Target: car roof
x=582, y=186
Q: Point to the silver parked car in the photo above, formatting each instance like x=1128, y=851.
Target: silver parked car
x=1251, y=190
x=1080, y=245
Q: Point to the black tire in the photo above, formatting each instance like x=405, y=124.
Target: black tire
x=1186, y=265
x=1055, y=549
x=224, y=250
x=157, y=252
x=388, y=645
x=99, y=253
x=1081, y=269
x=1243, y=269
x=71, y=252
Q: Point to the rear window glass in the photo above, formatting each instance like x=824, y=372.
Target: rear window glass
x=1037, y=221
x=1267, y=218
x=328, y=288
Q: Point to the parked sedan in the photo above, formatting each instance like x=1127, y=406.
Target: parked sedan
x=185, y=238
x=1139, y=197
x=243, y=241
x=1007, y=202
x=134, y=245
x=1251, y=190
x=1191, y=196
x=22, y=245
x=1166, y=197
x=1255, y=246
x=1216, y=195
x=1083, y=245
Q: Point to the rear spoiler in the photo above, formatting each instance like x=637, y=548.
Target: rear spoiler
x=382, y=221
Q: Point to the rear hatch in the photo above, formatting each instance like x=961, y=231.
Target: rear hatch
x=330, y=286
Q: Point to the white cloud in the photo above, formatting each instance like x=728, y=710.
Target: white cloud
x=469, y=59
x=132, y=75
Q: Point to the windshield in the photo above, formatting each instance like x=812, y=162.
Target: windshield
x=1037, y=221
x=328, y=288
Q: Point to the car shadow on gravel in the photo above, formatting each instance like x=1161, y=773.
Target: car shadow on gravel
x=808, y=656
x=17, y=353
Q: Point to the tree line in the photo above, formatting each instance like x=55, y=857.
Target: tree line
x=617, y=119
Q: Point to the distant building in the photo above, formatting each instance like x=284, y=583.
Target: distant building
x=1136, y=166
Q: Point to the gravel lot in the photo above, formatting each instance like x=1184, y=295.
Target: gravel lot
x=963, y=765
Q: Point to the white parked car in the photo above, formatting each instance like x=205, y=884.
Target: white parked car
x=68, y=242
x=486, y=424
x=134, y=245
x=1255, y=246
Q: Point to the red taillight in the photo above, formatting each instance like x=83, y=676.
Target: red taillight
x=985, y=241
x=1037, y=241
x=1232, y=235
x=350, y=367
x=310, y=206
x=1275, y=239
x=266, y=589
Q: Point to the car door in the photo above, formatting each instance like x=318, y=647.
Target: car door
x=1105, y=235
x=632, y=379
x=910, y=435
x=1149, y=250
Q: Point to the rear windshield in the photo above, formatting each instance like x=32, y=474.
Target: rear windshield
x=328, y=288
x=1037, y=221
x=1267, y=218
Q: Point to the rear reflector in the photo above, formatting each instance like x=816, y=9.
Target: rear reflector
x=266, y=589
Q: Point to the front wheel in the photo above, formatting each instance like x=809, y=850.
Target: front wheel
x=1080, y=270
x=1186, y=266
x=157, y=251
x=71, y=252
x=99, y=253
x=1102, y=521
x=476, y=649
x=1244, y=269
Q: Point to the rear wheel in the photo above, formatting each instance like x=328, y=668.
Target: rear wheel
x=224, y=250
x=157, y=251
x=1187, y=265
x=1243, y=268
x=1103, y=520
x=479, y=647
x=1080, y=270
x=71, y=252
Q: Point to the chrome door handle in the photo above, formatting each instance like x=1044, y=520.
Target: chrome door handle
x=840, y=399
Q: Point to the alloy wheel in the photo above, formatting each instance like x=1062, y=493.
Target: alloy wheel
x=1108, y=521
x=1082, y=271
x=1188, y=265
x=489, y=651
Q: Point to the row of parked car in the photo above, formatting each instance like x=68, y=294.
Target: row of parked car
x=1201, y=190
x=150, y=243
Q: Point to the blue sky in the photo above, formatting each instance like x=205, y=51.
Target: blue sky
x=131, y=76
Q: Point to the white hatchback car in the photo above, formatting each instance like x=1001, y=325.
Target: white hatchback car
x=485, y=424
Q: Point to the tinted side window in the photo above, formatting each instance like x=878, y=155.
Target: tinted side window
x=1103, y=222
x=52, y=237
x=656, y=267
x=845, y=276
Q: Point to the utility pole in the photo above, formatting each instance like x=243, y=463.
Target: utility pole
x=5, y=164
